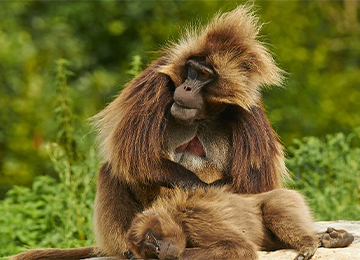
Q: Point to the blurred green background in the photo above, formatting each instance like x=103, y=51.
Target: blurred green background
x=316, y=42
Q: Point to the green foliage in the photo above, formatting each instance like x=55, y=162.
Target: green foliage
x=328, y=173
x=135, y=66
x=52, y=213
x=63, y=111
x=317, y=43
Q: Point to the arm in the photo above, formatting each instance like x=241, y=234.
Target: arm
x=172, y=174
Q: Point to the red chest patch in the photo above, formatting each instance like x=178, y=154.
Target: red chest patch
x=194, y=147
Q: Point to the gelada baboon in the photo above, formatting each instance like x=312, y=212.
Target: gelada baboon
x=213, y=223
x=193, y=118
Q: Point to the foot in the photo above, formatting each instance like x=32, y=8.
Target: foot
x=335, y=238
x=307, y=252
x=305, y=255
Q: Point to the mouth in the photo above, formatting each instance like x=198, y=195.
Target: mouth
x=181, y=105
x=183, y=113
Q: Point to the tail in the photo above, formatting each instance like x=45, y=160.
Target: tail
x=42, y=254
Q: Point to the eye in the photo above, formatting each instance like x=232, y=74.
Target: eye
x=192, y=72
x=205, y=74
x=148, y=238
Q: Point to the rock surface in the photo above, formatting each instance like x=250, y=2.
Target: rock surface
x=348, y=253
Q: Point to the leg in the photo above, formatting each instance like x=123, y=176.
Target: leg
x=332, y=238
x=287, y=216
x=222, y=250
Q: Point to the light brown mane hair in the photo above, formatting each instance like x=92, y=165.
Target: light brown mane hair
x=133, y=126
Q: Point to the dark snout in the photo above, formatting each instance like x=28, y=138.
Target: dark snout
x=188, y=94
x=169, y=250
x=188, y=101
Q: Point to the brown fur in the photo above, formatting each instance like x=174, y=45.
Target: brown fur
x=137, y=132
x=138, y=136
x=214, y=223
x=44, y=254
x=133, y=126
